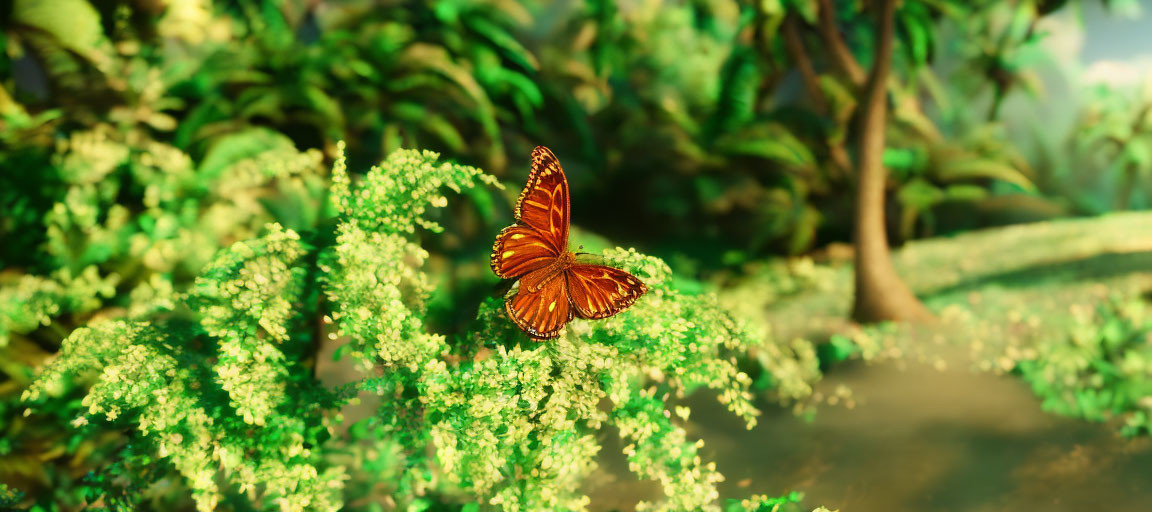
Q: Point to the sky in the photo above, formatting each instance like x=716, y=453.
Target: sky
x=1087, y=46
x=1116, y=49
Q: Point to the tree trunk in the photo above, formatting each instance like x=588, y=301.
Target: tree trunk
x=880, y=293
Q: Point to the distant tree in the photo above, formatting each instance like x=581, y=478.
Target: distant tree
x=880, y=293
x=1115, y=130
x=880, y=107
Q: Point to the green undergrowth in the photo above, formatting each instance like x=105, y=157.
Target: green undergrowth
x=1101, y=369
x=214, y=396
x=125, y=226
x=1057, y=303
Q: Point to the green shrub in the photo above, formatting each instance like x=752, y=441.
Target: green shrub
x=217, y=393
x=1102, y=370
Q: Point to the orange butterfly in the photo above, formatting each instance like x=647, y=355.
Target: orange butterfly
x=554, y=287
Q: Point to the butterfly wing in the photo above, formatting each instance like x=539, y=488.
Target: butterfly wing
x=598, y=291
x=542, y=212
x=519, y=250
x=543, y=312
x=544, y=204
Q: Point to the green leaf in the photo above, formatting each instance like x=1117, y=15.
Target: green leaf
x=970, y=167
x=804, y=230
x=508, y=45
x=771, y=141
x=920, y=194
x=430, y=122
x=900, y=159
x=807, y=9
x=735, y=104
x=74, y=23
x=917, y=38
x=965, y=192
x=316, y=99
x=238, y=146
x=1138, y=152
x=841, y=100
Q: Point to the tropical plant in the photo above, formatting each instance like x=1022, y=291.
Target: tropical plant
x=433, y=74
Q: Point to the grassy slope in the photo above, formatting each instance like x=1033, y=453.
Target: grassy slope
x=997, y=291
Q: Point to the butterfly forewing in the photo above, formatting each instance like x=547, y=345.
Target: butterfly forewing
x=544, y=204
x=543, y=312
x=519, y=250
x=598, y=291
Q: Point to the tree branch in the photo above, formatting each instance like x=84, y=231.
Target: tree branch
x=794, y=45
x=795, y=48
x=841, y=55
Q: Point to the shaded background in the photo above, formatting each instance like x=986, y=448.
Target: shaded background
x=688, y=129
x=678, y=123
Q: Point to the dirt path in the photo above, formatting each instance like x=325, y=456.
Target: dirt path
x=918, y=439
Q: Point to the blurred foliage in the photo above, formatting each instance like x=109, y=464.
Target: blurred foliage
x=719, y=120
x=1102, y=369
x=1114, y=135
x=380, y=76
x=733, y=122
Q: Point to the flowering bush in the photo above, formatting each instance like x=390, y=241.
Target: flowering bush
x=215, y=386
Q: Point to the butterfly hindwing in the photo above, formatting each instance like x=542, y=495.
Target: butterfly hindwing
x=519, y=250
x=598, y=291
x=544, y=204
x=543, y=312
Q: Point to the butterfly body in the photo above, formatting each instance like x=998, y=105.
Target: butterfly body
x=555, y=286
